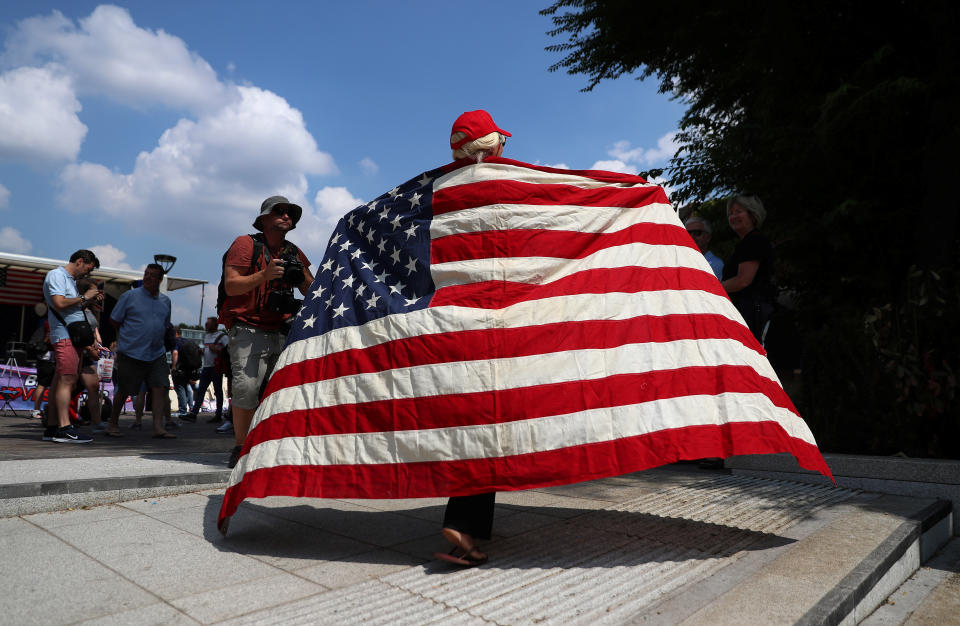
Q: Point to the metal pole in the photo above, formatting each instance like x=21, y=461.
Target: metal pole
x=202, y=291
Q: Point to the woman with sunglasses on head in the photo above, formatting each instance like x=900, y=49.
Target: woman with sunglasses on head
x=474, y=136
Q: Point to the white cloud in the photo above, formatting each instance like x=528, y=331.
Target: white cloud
x=614, y=166
x=12, y=241
x=110, y=55
x=210, y=174
x=111, y=256
x=38, y=117
x=559, y=166
x=4, y=197
x=333, y=202
x=369, y=166
x=631, y=160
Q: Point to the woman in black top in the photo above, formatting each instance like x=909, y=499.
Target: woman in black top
x=748, y=273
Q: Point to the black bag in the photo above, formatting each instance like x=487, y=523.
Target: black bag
x=169, y=338
x=81, y=333
x=189, y=357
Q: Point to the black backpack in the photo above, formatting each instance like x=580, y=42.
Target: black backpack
x=190, y=357
x=258, y=242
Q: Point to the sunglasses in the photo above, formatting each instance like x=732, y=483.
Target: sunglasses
x=503, y=139
x=696, y=232
x=282, y=210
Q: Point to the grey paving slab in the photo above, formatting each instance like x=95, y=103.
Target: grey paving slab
x=428, y=509
x=223, y=603
x=80, y=517
x=161, y=504
x=372, y=602
x=56, y=469
x=379, y=528
x=159, y=557
x=36, y=568
x=358, y=568
x=159, y=614
x=551, y=504
x=269, y=539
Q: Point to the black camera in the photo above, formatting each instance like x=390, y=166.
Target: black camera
x=281, y=299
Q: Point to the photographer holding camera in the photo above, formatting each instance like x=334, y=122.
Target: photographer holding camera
x=259, y=274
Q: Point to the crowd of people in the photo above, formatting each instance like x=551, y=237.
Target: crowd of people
x=74, y=360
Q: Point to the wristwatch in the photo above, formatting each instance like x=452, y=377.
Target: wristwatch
x=83, y=299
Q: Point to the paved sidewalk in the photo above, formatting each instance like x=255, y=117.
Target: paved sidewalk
x=673, y=545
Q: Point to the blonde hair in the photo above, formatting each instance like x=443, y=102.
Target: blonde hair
x=750, y=204
x=476, y=149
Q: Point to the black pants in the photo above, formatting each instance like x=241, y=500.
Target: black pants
x=472, y=515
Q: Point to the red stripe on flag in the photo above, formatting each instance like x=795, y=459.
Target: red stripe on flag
x=528, y=471
x=509, y=405
x=481, y=193
x=496, y=294
x=490, y=343
x=562, y=244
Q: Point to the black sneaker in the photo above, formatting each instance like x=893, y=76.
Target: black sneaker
x=49, y=432
x=189, y=417
x=234, y=457
x=70, y=434
x=214, y=420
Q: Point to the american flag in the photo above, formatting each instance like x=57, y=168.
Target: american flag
x=503, y=326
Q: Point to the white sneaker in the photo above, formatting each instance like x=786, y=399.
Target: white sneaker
x=37, y=415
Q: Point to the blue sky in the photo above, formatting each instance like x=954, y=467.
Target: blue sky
x=148, y=127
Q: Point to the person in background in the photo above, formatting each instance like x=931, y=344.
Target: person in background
x=45, y=367
x=141, y=316
x=181, y=382
x=214, y=342
x=253, y=271
x=748, y=275
x=700, y=231
x=65, y=306
x=88, y=362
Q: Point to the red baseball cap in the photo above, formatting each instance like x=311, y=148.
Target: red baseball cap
x=474, y=124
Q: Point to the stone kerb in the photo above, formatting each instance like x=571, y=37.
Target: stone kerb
x=924, y=478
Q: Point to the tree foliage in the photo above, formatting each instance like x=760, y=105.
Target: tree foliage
x=845, y=118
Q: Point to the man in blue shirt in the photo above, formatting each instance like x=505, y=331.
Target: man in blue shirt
x=700, y=231
x=141, y=316
x=65, y=306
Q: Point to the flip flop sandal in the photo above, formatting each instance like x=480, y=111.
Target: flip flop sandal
x=463, y=559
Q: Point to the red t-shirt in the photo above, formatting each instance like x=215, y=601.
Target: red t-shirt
x=250, y=308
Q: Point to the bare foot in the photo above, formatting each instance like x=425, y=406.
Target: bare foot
x=464, y=542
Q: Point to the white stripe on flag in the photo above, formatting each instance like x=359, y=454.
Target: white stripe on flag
x=503, y=171
x=461, y=377
x=521, y=437
x=544, y=270
x=575, y=308
x=560, y=218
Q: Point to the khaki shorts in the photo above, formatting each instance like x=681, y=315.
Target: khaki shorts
x=253, y=354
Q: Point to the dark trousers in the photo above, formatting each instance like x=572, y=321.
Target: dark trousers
x=472, y=515
x=207, y=375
